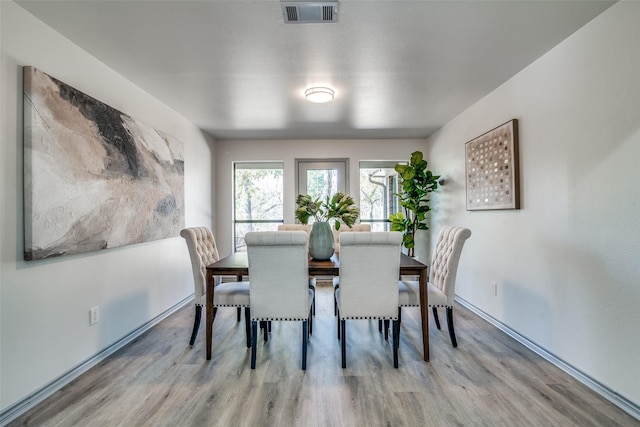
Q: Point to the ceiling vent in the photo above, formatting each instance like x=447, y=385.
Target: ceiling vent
x=303, y=12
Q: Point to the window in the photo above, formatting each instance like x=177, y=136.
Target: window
x=378, y=185
x=258, y=199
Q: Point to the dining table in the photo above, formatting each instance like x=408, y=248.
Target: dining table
x=237, y=265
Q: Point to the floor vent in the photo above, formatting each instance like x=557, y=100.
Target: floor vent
x=301, y=12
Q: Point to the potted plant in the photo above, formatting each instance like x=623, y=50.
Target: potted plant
x=417, y=183
x=340, y=207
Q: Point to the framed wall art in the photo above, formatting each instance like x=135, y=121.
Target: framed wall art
x=491, y=165
x=94, y=178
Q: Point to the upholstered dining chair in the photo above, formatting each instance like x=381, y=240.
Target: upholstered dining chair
x=369, y=268
x=203, y=251
x=442, y=277
x=355, y=228
x=307, y=228
x=279, y=277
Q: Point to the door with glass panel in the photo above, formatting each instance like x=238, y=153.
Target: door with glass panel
x=321, y=178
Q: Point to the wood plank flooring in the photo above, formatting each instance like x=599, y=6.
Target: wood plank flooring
x=489, y=380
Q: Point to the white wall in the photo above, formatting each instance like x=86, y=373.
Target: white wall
x=44, y=304
x=227, y=152
x=568, y=263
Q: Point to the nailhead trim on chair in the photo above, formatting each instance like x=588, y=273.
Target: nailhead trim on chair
x=430, y=305
x=368, y=318
x=276, y=319
x=230, y=305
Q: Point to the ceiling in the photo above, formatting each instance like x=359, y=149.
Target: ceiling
x=400, y=69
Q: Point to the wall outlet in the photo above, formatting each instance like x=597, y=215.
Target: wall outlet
x=494, y=288
x=94, y=316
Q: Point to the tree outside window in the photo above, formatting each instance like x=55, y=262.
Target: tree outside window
x=258, y=199
x=378, y=186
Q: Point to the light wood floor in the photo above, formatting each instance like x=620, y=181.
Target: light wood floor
x=489, y=380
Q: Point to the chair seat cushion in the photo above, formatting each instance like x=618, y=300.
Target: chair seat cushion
x=231, y=294
x=389, y=316
x=270, y=318
x=409, y=295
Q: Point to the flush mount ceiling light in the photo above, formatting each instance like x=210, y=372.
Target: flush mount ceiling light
x=319, y=94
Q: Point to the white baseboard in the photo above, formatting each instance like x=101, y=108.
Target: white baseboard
x=620, y=401
x=19, y=408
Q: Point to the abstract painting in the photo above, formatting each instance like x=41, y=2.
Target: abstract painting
x=94, y=178
x=492, y=169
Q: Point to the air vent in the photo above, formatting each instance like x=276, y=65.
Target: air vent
x=301, y=12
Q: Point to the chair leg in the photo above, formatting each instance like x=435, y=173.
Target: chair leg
x=344, y=343
x=254, y=342
x=238, y=314
x=265, y=330
x=196, y=324
x=247, y=325
x=338, y=318
x=435, y=316
x=313, y=304
x=305, y=335
x=396, y=342
x=452, y=333
x=310, y=323
x=386, y=329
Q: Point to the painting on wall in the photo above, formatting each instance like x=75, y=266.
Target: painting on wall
x=491, y=162
x=94, y=178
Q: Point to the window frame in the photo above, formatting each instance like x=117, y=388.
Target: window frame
x=253, y=165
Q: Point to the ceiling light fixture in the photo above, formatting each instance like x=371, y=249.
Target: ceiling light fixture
x=319, y=94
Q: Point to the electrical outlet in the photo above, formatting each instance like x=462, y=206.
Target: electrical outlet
x=494, y=288
x=94, y=316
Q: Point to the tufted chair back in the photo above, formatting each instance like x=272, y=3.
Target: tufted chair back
x=279, y=272
x=295, y=227
x=369, y=266
x=203, y=251
x=343, y=229
x=445, y=258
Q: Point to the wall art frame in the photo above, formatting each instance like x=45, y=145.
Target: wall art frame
x=492, y=169
x=94, y=177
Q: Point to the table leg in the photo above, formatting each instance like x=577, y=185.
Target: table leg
x=209, y=308
x=424, y=313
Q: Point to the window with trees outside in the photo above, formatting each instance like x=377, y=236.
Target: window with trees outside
x=378, y=185
x=258, y=199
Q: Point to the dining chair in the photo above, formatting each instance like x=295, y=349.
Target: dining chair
x=369, y=268
x=279, y=277
x=442, y=277
x=355, y=228
x=307, y=228
x=203, y=251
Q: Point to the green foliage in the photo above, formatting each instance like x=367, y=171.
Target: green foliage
x=417, y=183
x=340, y=207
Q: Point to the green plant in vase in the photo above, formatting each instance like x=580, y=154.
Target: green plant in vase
x=340, y=207
x=417, y=182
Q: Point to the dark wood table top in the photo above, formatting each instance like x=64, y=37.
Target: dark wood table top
x=238, y=263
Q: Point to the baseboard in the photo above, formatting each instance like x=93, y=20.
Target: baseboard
x=620, y=401
x=19, y=408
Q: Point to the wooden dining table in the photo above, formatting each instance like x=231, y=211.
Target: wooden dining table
x=237, y=265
